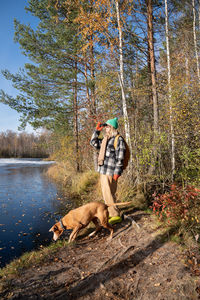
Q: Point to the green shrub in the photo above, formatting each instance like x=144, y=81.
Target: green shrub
x=189, y=170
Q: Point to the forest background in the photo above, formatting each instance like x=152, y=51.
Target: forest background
x=135, y=60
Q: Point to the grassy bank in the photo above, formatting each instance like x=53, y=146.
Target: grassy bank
x=86, y=185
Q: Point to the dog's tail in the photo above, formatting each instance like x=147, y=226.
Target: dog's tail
x=120, y=203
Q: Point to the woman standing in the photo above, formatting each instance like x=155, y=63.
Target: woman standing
x=110, y=163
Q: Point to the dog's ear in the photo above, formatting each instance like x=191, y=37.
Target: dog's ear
x=53, y=228
x=56, y=232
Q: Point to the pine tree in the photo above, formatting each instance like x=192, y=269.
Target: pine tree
x=46, y=84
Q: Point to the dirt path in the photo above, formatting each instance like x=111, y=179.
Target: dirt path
x=137, y=264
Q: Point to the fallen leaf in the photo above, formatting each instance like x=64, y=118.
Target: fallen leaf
x=157, y=284
x=190, y=261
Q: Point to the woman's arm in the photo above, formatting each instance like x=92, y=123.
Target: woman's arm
x=95, y=141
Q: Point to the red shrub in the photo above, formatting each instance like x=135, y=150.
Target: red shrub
x=178, y=205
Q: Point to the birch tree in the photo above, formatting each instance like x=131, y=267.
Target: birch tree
x=195, y=39
x=199, y=12
x=121, y=78
x=169, y=89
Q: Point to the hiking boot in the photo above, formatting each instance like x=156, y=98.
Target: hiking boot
x=122, y=216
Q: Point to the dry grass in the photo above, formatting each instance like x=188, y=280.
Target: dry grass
x=61, y=172
x=127, y=191
x=84, y=182
x=76, y=185
x=87, y=185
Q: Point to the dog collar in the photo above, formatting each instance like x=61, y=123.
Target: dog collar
x=61, y=223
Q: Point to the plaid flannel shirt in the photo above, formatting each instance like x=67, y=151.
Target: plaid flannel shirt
x=113, y=161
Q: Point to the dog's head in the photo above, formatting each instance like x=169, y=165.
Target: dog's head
x=57, y=231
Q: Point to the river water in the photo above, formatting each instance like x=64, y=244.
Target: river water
x=30, y=203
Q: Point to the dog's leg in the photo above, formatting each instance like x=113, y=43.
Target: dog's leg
x=98, y=227
x=110, y=228
x=74, y=233
x=103, y=218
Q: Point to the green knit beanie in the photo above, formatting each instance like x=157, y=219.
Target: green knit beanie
x=113, y=122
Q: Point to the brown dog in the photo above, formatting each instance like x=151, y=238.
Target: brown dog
x=80, y=217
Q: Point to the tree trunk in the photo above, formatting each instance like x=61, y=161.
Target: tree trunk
x=152, y=64
x=195, y=39
x=153, y=83
x=199, y=12
x=91, y=121
x=76, y=135
x=170, y=91
x=92, y=78
x=136, y=131
x=92, y=102
x=121, y=80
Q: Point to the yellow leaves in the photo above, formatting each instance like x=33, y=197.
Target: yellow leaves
x=90, y=22
x=93, y=18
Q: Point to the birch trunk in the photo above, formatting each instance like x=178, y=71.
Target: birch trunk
x=195, y=39
x=199, y=12
x=170, y=90
x=121, y=80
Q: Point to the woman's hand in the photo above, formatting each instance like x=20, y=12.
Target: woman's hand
x=115, y=177
x=99, y=126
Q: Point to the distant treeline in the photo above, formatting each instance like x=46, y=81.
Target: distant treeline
x=23, y=145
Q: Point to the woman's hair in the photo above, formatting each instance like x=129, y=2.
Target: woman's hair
x=113, y=132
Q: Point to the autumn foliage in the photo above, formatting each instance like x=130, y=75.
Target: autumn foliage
x=179, y=206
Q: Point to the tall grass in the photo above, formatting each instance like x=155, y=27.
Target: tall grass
x=128, y=191
x=73, y=183
x=84, y=182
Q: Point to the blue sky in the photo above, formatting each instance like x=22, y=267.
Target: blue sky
x=11, y=57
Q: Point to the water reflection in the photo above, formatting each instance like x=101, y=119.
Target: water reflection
x=29, y=206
